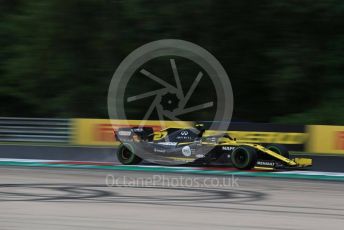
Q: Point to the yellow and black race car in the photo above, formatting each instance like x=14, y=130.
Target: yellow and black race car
x=193, y=146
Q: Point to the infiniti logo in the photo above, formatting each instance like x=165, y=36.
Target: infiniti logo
x=184, y=133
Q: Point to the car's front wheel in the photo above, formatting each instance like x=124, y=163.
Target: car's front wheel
x=127, y=157
x=244, y=157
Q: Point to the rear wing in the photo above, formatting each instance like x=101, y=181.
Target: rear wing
x=134, y=134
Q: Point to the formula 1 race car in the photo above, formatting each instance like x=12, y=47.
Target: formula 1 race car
x=192, y=146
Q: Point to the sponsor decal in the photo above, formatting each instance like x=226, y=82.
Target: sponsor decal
x=339, y=140
x=265, y=163
x=325, y=139
x=159, y=150
x=212, y=139
x=168, y=143
x=265, y=137
x=124, y=133
x=184, y=138
x=186, y=151
x=200, y=156
x=184, y=133
x=272, y=137
x=101, y=132
x=228, y=148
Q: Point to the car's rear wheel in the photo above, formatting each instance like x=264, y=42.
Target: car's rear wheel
x=244, y=157
x=127, y=157
x=279, y=149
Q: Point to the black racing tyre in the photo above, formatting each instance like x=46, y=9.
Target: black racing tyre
x=244, y=157
x=280, y=149
x=126, y=157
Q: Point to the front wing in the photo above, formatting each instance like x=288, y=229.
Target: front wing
x=296, y=163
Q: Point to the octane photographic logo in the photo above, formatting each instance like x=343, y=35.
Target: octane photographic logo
x=175, y=96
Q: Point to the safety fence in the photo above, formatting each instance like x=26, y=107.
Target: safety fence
x=100, y=132
x=37, y=130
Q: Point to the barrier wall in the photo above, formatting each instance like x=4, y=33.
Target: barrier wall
x=325, y=139
x=100, y=132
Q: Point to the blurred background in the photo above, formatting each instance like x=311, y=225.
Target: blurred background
x=285, y=58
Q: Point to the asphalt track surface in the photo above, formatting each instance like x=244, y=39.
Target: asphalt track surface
x=46, y=198
x=320, y=162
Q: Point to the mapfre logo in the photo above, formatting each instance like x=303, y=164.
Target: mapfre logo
x=228, y=148
x=339, y=140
